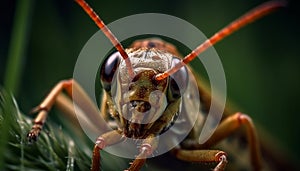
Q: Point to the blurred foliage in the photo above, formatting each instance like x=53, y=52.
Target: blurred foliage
x=54, y=150
x=261, y=61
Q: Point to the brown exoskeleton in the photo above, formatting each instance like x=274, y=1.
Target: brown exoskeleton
x=130, y=79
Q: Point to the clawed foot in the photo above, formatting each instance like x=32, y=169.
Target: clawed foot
x=34, y=132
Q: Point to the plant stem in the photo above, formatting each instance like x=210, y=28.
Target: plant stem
x=18, y=44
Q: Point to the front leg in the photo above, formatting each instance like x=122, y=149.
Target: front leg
x=104, y=140
x=148, y=146
x=81, y=99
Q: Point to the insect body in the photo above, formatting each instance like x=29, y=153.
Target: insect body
x=147, y=90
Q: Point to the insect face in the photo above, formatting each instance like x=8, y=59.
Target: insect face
x=140, y=101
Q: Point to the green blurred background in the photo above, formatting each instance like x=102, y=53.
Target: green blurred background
x=261, y=61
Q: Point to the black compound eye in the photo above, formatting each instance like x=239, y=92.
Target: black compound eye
x=178, y=80
x=108, y=69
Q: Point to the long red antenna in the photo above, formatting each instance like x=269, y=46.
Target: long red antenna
x=247, y=18
x=108, y=34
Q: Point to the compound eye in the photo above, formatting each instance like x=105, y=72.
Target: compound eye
x=178, y=80
x=108, y=69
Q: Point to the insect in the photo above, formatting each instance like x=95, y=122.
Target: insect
x=134, y=82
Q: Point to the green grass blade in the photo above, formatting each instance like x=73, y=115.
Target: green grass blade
x=18, y=44
x=54, y=150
